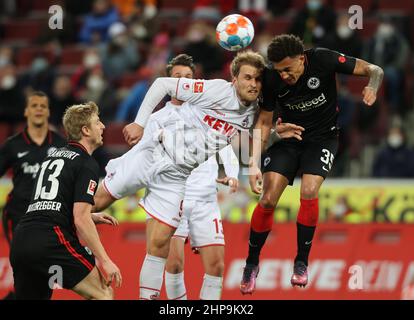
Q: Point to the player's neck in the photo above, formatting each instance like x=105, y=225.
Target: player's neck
x=90, y=148
x=37, y=134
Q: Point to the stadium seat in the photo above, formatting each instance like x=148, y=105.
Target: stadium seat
x=72, y=55
x=404, y=6
x=277, y=25
x=26, y=55
x=346, y=4
x=23, y=29
x=128, y=80
x=113, y=137
x=177, y=4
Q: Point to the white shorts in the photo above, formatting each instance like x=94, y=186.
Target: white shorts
x=143, y=166
x=201, y=222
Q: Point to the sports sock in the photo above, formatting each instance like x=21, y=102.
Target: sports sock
x=175, y=286
x=151, y=277
x=211, y=289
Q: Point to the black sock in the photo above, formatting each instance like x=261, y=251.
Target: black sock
x=256, y=242
x=304, y=241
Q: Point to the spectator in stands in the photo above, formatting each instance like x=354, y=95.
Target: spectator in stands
x=120, y=55
x=212, y=10
x=12, y=101
x=61, y=98
x=128, y=8
x=6, y=56
x=90, y=60
x=343, y=39
x=396, y=159
x=159, y=53
x=203, y=48
x=98, y=90
x=389, y=49
x=313, y=22
x=96, y=24
x=40, y=76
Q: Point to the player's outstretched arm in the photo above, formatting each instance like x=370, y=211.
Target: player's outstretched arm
x=286, y=130
x=87, y=232
x=158, y=90
x=375, y=74
x=261, y=135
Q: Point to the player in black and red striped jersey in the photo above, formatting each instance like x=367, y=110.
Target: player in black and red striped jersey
x=46, y=239
x=23, y=153
x=301, y=86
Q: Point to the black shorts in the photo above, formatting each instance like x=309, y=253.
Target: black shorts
x=41, y=255
x=290, y=158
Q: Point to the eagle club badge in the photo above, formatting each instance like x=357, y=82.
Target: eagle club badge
x=313, y=83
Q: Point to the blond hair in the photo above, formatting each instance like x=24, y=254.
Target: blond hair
x=248, y=57
x=78, y=116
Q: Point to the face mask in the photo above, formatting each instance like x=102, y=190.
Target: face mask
x=90, y=61
x=344, y=32
x=4, y=61
x=139, y=31
x=195, y=36
x=314, y=5
x=95, y=83
x=120, y=40
x=8, y=82
x=395, y=140
x=39, y=65
x=385, y=30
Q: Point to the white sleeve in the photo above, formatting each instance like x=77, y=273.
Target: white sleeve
x=158, y=90
x=230, y=162
x=203, y=93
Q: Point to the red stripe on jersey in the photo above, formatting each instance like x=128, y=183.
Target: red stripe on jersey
x=25, y=137
x=77, y=144
x=50, y=137
x=109, y=192
x=71, y=250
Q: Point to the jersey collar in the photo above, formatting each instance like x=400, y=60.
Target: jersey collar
x=77, y=145
x=29, y=140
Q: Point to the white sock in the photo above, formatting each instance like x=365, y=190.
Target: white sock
x=151, y=277
x=175, y=286
x=211, y=289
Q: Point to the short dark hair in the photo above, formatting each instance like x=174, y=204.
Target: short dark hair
x=180, y=60
x=36, y=94
x=285, y=45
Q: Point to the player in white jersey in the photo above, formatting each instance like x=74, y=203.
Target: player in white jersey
x=162, y=162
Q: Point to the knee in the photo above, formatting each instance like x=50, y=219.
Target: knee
x=216, y=268
x=159, y=246
x=107, y=293
x=309, y=192
x=267, y=200
x=174, y=266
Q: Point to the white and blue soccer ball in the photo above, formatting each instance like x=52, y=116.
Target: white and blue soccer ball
x=234, y=32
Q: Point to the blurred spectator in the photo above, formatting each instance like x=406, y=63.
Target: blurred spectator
x=128, y=8
x=6, y=56
x=120, y=54
x=129, y=107
x=212, y=10
x=343, y=39
x=159, y=54
x=98, y=90
x=203, y=48
x=90, y=61
x=313, y=22
x=279, y=7
x=11, y=96
x=96, y=24
x=389, y=49
x=8, y=7
x=40, y=76
x=61, y=98
x=78, y=7
x=254, y=7
x=396, y=159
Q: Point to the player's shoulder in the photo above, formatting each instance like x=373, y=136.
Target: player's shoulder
x=321, y=54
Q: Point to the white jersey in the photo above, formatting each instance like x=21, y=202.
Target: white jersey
x=204, y=125
x=201, y=184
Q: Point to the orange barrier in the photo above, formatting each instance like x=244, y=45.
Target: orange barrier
x=369, y=261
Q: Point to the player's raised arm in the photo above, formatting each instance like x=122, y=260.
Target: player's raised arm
x=231, y=168
x=375, y=74
x=158, y=90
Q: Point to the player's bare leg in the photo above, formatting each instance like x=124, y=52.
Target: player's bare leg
x=306, y=224
x=261, y=224
x=93, y=287
x=174, y=270
x=152, y=271
x=213, y=262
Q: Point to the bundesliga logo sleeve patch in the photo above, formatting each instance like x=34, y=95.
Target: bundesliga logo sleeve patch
x=91, y=187
x=342, y=59
x=198, y=87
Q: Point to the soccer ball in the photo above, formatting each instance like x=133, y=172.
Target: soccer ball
x=234, y=32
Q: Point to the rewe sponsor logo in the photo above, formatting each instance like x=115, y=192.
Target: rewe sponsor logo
x=310, y=104
x=219, y=125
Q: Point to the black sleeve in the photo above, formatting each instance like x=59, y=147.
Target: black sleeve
x=86, y=184
x=5, y=158
x=268, y=99
x=335, y=61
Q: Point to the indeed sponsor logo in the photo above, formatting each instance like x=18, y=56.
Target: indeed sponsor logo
x=310, y=104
